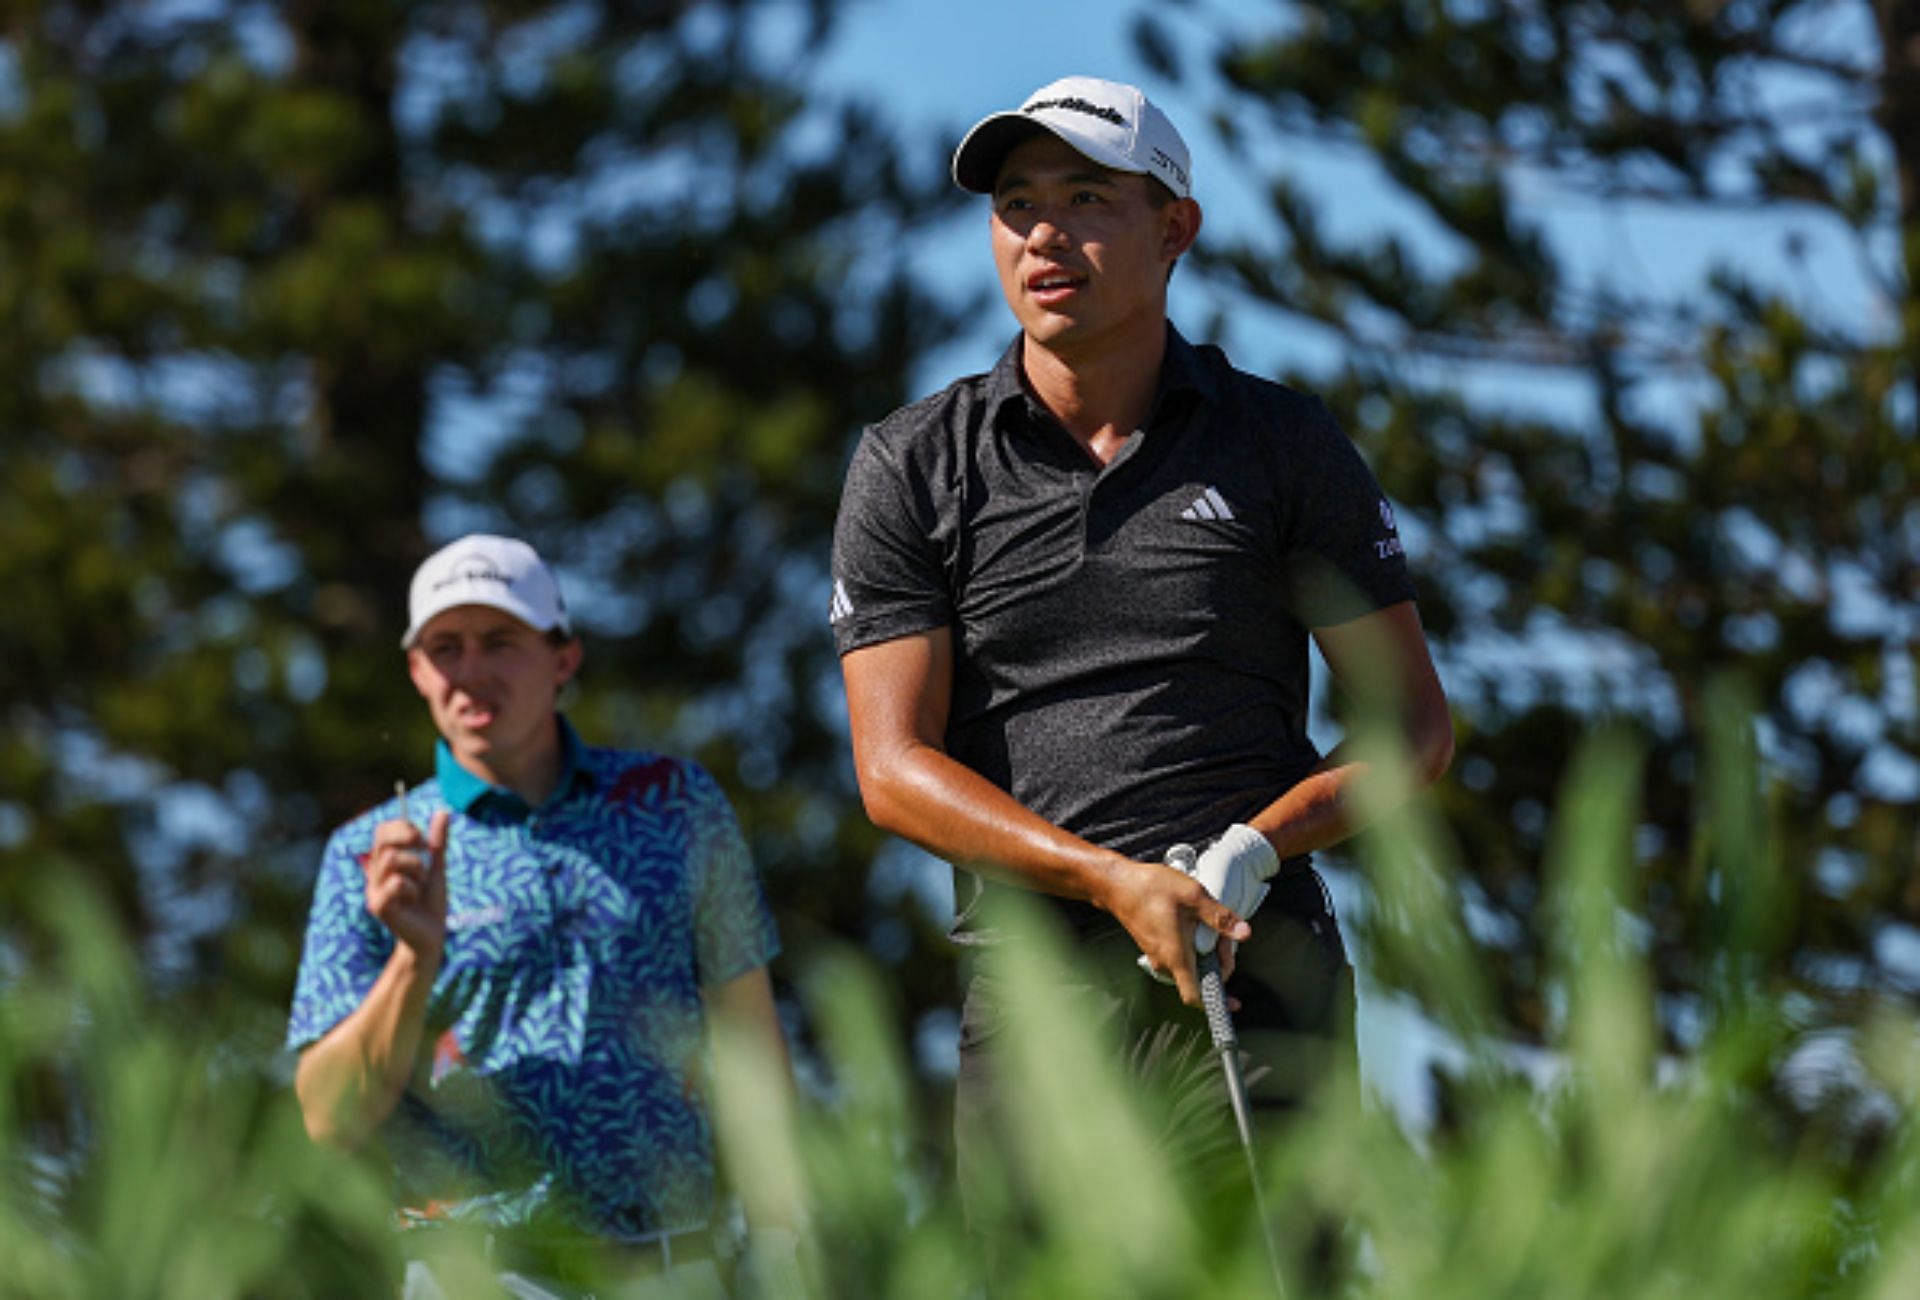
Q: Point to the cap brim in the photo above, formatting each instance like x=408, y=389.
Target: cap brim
x=976, y=163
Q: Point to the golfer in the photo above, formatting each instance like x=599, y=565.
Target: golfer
x=1073, y=598
x=509, y=969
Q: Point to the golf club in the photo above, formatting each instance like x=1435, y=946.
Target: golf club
x=1226, y=1043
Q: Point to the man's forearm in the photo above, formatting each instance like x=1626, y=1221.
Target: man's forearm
x=1382, y=659
x=1338, y=798
x=953, y=812
x=918, y=792
x=1315, y=813
x=350, y=1080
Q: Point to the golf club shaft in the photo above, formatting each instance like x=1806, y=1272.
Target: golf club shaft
x=1226, y=1042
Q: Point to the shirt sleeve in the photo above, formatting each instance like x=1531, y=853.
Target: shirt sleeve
x=734, y=930
x=888, y=577
x=346, y=947
x=1343, y=552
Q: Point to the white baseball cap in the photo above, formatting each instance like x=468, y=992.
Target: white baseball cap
x=481, y=569
x=1110, y=122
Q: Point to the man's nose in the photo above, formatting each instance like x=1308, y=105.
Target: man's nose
x=1046, y=233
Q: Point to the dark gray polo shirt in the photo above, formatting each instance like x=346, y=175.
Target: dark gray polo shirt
x=1130, y=642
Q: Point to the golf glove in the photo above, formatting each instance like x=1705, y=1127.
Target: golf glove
x=1235, y=869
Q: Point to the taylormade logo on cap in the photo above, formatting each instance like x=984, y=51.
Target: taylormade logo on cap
x=1110, y=122
x=502, y=573
x=1074, y=104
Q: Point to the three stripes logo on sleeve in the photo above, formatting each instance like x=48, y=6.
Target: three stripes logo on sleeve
x=1209, y=505
x=841, y=606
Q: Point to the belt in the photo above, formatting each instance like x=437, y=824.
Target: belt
x=571, y=1257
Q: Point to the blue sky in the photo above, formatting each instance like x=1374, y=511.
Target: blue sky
x=938, y=67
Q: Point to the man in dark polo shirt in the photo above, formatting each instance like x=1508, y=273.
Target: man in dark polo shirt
x=1073, y=598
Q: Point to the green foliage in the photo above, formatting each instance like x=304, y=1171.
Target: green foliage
x=1616, y=1170
x=169, y=1166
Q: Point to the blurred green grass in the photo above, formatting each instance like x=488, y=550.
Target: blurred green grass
x=146, y=1157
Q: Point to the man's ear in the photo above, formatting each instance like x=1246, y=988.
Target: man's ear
x=1181, y=227
x=567, y=661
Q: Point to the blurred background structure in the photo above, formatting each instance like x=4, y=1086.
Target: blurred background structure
x=1617, y=297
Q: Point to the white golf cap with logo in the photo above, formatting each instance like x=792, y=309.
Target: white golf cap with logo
x=503, y=573
x=1110, y=122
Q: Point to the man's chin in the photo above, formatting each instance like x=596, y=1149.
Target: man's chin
x=1054, y=331
x=1045, y=325
x=471, y=742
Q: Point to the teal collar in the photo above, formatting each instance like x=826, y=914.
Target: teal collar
x=462, y=789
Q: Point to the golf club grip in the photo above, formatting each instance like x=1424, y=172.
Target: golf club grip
x=1213, y=1000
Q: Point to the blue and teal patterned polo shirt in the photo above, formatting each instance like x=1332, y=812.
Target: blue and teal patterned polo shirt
x=566, y=1019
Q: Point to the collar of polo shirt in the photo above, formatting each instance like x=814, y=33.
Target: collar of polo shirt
x=1180, y=371
x=462, y=789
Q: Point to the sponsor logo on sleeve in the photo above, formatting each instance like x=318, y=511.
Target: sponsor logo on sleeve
x=1389, y=546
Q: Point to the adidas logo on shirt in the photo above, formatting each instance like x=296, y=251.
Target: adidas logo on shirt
x=1208, y=505
x=840, y=606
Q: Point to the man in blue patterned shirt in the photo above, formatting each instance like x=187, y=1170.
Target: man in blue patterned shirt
x=509, y=973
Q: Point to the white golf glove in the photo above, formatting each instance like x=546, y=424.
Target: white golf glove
x=1235, y=869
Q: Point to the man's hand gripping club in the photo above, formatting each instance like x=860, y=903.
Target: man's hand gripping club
x=1233, y=869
